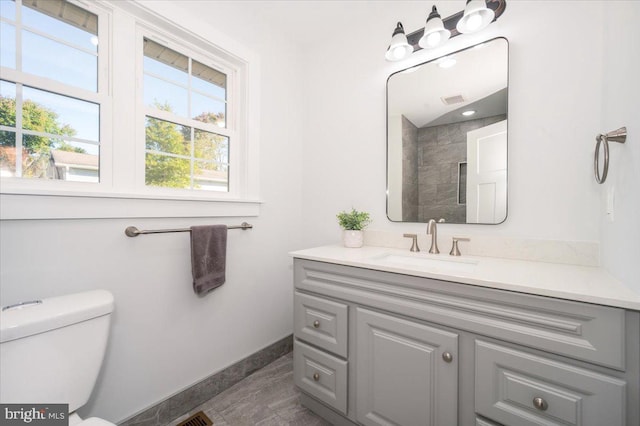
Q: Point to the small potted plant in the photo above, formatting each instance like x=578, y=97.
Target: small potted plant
x=353, y=223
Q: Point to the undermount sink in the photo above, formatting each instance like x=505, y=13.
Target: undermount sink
x=428, y=263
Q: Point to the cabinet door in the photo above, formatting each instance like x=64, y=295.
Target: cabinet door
x=406, y=372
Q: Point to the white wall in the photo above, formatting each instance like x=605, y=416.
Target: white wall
x=164, y=338
x=555, y=96
x=621, y=107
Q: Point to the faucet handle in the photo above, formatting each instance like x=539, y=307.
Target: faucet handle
x=454, y=248
x=414, y=244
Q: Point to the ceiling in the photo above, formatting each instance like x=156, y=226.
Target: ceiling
x=310, y=22
x=478, y=73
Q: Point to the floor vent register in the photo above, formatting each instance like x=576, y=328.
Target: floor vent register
x=198, y=419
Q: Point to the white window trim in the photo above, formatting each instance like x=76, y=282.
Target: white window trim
x=119, y=194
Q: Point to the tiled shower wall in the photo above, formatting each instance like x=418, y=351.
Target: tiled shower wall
x=440, y=149
x=409, y=171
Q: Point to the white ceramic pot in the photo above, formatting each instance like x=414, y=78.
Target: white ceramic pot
x=353, y=239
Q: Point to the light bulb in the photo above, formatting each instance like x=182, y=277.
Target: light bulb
x=398, y=52
x=435, y=33
x=399, y=47
x=433, y=39
x=474, y=22
x=476, y=16
x=446, y=62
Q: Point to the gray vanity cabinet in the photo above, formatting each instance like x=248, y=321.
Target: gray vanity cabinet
x=381, y=348
x=406, y=372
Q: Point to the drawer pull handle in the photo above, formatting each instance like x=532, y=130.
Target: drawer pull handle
x=540, y=404
x=447, y=357
x=316, y=324
x=316, y=376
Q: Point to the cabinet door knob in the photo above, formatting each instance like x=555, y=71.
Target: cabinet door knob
x=316, y=376
x=316, y=324
x=540, y=403
x=447, y=357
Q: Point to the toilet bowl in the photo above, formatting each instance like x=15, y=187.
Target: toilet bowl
x=51, y=350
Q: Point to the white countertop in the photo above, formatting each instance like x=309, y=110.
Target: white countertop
x=571, y=282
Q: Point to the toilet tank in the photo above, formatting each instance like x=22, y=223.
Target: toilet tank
x=51, y=352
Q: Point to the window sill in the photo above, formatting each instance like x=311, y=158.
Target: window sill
x=21, y=206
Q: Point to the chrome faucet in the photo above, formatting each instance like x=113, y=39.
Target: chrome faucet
x=432, y=230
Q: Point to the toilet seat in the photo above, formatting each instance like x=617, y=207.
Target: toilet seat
x=76, y=420
x=95, y=421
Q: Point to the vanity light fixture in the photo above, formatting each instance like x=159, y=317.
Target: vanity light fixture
x=478, y=14
x=447, y=62
x=399, y=47
x=435, y=34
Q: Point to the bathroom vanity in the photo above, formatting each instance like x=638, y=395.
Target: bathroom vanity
x=388, y=337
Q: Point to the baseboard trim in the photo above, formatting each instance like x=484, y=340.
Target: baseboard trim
x=323, y=411
x=184, y=401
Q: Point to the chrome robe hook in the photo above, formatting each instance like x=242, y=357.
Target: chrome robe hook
x=618, y=135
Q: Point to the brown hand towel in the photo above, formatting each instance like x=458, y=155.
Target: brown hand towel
x=208, y=257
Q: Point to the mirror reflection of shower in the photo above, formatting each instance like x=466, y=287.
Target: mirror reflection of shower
x=447, y=138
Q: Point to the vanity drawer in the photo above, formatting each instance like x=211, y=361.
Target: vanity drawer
x=517, y=388
x=321, y=322
x=484, y=422
x=320, y=375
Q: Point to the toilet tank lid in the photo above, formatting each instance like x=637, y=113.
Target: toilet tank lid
x=54, y=312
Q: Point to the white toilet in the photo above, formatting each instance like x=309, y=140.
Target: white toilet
x=51, y=351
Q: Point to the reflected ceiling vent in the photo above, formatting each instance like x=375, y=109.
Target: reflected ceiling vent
x=451, y=100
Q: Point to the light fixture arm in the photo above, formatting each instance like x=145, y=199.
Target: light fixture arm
x=498, y=7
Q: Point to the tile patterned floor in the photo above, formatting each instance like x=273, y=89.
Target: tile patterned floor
x=265, y=398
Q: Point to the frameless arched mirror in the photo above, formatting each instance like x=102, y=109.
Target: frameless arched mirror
x=447, y=138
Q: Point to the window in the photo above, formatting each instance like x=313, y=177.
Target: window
x=150, y=120
x=50, y=91
x=186, y=135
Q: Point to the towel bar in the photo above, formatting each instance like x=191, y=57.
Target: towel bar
x=132, y=231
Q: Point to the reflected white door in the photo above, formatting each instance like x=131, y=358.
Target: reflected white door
x=487, y=174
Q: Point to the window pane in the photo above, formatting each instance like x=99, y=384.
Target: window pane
x=7, y=153
x=168, y=63
x=8, y=9
x=168, y=72
x=74, y=161
x=210, y=146
x=48, y=158
x=7, y=45
x=208, y=110
x=47, y=58
x=60, y=115
x=36, y=156
x=208, y=80
x=7, y=104
x=167, y=137
x=63, y=20
x=165, y=96
x=210, y=176
x=166, y=171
